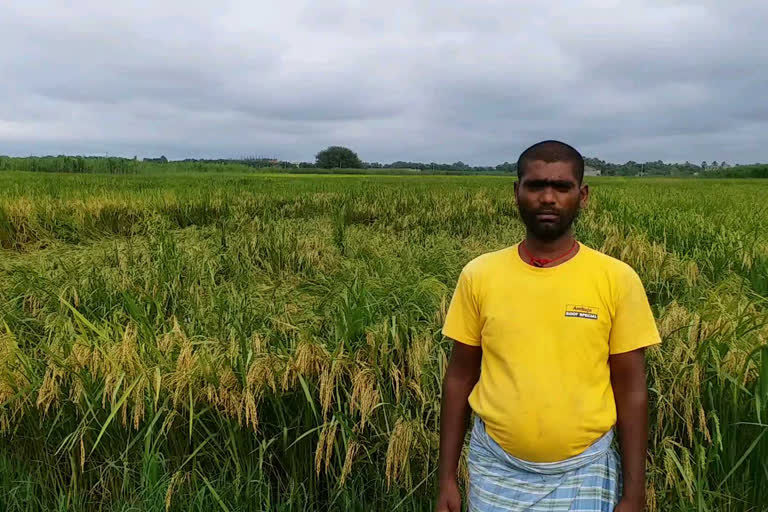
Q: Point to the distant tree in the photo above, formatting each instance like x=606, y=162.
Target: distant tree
x=506, y=167
x=338, y=157
x=80, y=164
x=703, y=165
x=715, y=165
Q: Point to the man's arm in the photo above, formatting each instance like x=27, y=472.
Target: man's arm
x=461, y=376
x=631, y=394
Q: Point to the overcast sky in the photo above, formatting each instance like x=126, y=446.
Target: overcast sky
x=476, y=81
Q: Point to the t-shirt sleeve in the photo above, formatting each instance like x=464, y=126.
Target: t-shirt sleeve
x=462, y=322
x=633, y=323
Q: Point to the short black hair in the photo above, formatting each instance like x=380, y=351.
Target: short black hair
x=551, y=151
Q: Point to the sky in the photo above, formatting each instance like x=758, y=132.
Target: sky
x=476, y=81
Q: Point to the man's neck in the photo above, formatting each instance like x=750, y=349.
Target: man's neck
x=548, y=248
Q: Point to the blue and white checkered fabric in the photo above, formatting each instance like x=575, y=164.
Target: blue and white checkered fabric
x=588, y=482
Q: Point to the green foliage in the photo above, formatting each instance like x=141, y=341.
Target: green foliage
x=743, y=171
x=71, y=164
x=337, y=157
x=347, y=163
x=656, y=168
x=211, y=341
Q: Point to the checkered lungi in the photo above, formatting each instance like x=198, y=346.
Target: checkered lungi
x=588, y=482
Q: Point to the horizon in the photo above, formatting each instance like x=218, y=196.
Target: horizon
x=365, y=161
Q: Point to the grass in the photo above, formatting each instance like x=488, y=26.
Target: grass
x=261, y=342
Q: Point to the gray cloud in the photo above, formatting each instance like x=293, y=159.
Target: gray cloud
x=472, y=81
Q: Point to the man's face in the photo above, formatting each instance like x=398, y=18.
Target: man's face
x=549, y=197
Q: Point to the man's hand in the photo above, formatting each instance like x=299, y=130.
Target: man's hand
x=629, y=506
x=449, y=498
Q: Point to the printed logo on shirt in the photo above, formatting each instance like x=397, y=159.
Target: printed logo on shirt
x=578, y=311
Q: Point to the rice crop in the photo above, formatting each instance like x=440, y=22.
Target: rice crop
x=229, y=341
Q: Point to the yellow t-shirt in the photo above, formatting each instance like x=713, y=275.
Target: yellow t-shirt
x=545, y=391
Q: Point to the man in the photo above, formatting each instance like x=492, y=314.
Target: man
x=549, y=339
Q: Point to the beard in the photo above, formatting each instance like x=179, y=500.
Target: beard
x=550, y=230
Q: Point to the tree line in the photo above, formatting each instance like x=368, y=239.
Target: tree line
x=340, y=157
